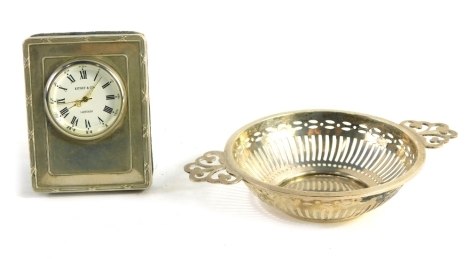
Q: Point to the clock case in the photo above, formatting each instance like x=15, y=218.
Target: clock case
x=121, y=160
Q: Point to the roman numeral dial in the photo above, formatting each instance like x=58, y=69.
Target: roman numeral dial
x=83, y=74
x=85, y=99
x=87, y=124
x=70, y=77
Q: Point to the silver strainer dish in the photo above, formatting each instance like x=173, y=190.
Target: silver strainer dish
x=321, y=165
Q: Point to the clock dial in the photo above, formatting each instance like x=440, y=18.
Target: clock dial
x=85, y=99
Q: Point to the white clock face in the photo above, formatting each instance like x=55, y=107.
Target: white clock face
x=85, y=99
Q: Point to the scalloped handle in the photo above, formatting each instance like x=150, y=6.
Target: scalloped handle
x=211, y=168
x=433, y=135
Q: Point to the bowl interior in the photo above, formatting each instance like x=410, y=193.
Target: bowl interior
x=323, y=151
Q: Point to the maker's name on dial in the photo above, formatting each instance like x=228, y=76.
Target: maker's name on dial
x=83, y=87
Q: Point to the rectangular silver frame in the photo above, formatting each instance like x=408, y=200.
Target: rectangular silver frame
x=128, y=164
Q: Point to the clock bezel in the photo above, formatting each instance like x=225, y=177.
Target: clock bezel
x=119, y=82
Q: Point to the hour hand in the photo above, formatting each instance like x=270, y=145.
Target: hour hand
x=62, y=101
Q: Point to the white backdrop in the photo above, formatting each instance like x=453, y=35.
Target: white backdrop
x=215, y=66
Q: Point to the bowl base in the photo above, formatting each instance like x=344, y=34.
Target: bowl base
x=323, y=182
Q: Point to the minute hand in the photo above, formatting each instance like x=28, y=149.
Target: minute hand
x=87, y=96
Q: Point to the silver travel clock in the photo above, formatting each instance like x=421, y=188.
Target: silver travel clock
x=88, y=111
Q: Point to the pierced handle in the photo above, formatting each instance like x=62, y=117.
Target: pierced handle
x=433, y=135
x=211, y=168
